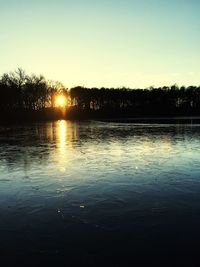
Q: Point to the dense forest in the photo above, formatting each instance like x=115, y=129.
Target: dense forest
x=25, y=96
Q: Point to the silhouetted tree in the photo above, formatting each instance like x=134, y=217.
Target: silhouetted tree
x=22, y=92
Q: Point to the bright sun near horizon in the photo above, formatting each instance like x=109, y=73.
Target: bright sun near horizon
x=61, y=101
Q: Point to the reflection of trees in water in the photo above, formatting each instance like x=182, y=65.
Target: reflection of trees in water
x=34, y=143
x=106, y=131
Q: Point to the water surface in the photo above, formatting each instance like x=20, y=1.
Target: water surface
x=100, y=193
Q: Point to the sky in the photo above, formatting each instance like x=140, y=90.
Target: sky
x=110, y=43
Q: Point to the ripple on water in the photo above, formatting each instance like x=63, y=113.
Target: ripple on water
x=98, y=173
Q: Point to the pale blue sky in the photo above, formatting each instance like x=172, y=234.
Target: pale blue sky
x=133, y=43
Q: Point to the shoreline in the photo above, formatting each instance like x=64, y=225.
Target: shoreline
x=153, y=120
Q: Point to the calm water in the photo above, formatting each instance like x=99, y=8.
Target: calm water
x=100, y=193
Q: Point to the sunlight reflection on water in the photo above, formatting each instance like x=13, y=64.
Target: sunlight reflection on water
x=61, y=132
x=62, y=135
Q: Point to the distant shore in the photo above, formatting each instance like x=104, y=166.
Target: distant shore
x=33, y=98
x=56, y=114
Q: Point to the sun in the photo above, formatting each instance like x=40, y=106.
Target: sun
x=61, y=101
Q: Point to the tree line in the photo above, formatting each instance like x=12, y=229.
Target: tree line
x=126, y=102
x=31, y=94
x=28, y=92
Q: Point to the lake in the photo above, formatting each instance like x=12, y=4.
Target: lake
x=100, y=194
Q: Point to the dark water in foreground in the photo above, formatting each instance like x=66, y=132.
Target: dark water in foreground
x=100, y=194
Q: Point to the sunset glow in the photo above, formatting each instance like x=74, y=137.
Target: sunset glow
x=61, y=101
x=123, y=43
